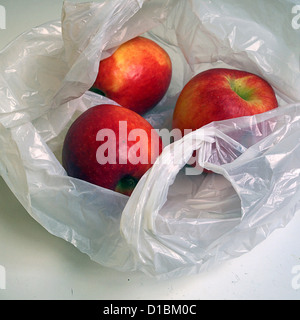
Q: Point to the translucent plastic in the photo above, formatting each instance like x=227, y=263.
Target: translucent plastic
x=174, y=223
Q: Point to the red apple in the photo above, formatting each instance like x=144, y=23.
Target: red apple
x=110, y=146
x=219, y=94
x=137, y=75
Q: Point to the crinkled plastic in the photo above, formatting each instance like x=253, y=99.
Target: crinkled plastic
x=174, y=223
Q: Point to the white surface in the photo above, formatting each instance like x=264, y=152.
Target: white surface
x=41, y=266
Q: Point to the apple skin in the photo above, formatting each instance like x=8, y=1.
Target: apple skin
x=79, y=155
x=136, y=76
x=219, y=94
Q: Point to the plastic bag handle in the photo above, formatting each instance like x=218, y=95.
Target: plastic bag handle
x=151, y=192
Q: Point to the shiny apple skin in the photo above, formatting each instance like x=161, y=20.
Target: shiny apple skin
x=137, y=75
x=219, y=94
x=81, y=145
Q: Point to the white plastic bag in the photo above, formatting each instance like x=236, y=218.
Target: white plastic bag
x=173, y=223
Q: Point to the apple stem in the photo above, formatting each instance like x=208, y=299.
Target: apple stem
x=126, y=184
x=98, y=91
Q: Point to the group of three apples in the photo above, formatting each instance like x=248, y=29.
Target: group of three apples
x=113, y=146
